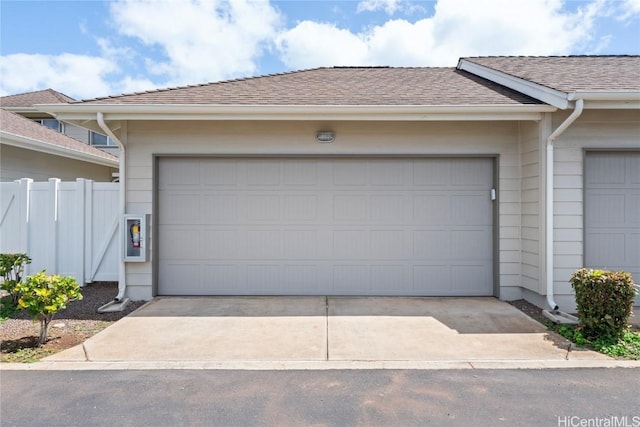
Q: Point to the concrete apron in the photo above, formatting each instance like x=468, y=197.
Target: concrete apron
x=319, y=329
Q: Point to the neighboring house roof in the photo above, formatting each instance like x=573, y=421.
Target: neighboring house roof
x=560, y=79
x=338, y=86
x=29, y=99
x=571, y=73
x=25, y=133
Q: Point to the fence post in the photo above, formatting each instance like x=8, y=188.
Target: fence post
x=88, y=230
x=52, y=225
x=24, y=208
x=80, y=239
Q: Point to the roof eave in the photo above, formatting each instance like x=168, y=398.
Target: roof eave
x=48, y=148
x=80, y=112
x=21, y=109
x=543, y=93
x=28, y=112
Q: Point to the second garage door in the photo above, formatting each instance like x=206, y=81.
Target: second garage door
x=612, y=211
x=296, y=226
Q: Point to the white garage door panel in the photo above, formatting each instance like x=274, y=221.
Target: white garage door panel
x=325, y=226
x=612, y=212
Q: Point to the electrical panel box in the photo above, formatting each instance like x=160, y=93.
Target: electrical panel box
x=136, y=238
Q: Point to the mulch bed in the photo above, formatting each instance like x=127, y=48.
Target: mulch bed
x=530, y=310
x=71, y=326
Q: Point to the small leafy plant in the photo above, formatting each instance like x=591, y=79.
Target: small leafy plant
x=43, y=296
x=11, y=270
x=604, y=302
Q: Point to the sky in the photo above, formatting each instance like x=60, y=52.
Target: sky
x=91, y=48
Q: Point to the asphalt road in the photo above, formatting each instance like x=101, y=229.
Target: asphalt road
x=321, y=398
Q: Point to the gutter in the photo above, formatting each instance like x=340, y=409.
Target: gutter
x=122, y=283
x=621, y=96
x=549, y=200
x=77, y=112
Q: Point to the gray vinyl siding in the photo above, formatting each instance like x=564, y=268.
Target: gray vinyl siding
x=468, y=139
x=520, y=148
x=594, y=130
x=532, y=171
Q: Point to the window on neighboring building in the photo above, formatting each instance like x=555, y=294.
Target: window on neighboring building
x=99, y=139
x=51, y=124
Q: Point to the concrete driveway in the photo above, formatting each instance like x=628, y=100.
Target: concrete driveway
x=338, y=330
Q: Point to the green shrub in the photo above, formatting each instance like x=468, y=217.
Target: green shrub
x=11, y=269
x=43, y=296
x=605, y=302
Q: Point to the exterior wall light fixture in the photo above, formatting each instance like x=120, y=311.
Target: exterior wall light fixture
x=325, y=137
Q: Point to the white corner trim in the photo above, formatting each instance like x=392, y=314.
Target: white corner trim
x=545, y=94
x=56, y=150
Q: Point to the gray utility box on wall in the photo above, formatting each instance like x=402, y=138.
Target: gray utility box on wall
x=136, y=238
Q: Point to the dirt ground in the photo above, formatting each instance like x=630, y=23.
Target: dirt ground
x=80, y=320
x=72, y=326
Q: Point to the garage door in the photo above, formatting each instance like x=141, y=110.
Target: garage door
x=302, y=226
x=612, y=211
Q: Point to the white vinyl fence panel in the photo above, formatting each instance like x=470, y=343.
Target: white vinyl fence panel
x=67, y=228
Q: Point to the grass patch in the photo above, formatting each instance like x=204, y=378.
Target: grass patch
x=26, y=355
x=626, y=347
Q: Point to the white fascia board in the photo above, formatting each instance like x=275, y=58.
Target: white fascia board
x=551, y=96
x=604, y=95
x=47, y=148
x=22, y=109
x=77, y=113
x=608, y=99
x=612, y=105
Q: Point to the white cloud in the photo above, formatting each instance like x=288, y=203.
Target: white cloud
x=175, y=42
x=79, y=76
x=389, y=6
x=628, y=9
x=457, y=28
x=311, y=44
x=200, y=40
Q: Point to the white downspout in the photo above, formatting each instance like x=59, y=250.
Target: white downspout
x=549, y=199
x=122, y=284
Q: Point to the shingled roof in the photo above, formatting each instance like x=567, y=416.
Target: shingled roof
x=29, y=99
x=14, y=124
x=338, y=86
x=570, y=73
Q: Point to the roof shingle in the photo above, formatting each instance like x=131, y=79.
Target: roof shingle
x=29, y=99
x=570, y=73
x=338, y=86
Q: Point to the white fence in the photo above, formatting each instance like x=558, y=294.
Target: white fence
x=67, y=228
